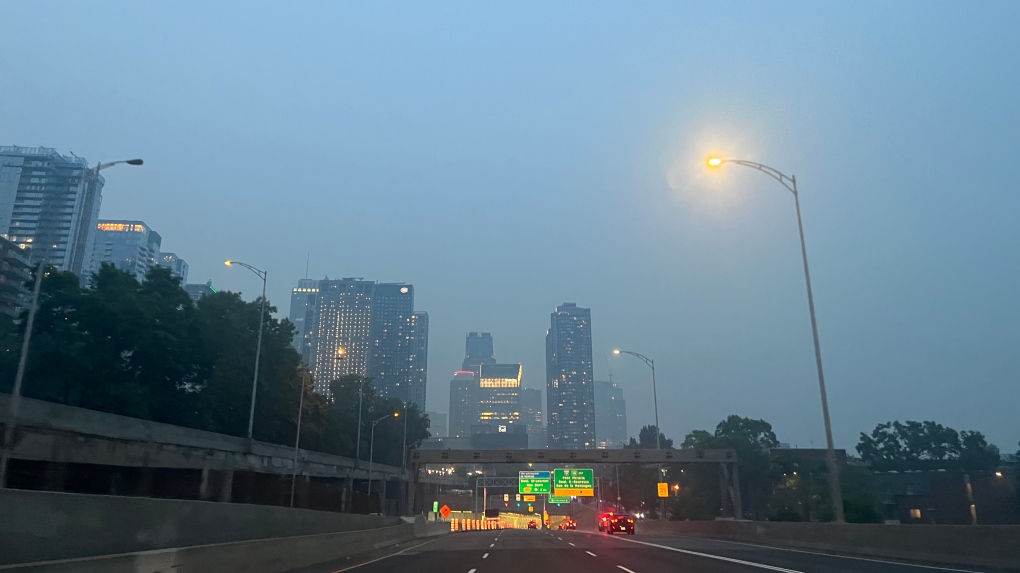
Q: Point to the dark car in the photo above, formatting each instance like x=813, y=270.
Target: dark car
x=570, y=524
x=623, y=523
x=532, y=525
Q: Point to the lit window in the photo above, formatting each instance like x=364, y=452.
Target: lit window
x=915, y=513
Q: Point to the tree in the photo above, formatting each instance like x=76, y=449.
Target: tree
x=925, y=446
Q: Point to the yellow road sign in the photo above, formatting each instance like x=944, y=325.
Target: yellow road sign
x=663, y=489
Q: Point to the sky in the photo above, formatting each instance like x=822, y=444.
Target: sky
x=506, y=157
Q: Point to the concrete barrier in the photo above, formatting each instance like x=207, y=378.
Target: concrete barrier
x=48, y=526
x=994, y=546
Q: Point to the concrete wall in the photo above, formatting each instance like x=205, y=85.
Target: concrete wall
x=996, y=546
x=45, y=526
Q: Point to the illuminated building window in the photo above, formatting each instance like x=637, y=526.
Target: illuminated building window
x=915, y=513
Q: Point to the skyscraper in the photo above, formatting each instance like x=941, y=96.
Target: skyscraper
x=303, y=302
x=177, y=265
x=531, y=416
x=420, y=360
x=463, y=404
x=570, y=394
x=478, y=350
x=498, y=395
x=353, y=326
x=128, y=245
x=50, y=204
x=610, y=415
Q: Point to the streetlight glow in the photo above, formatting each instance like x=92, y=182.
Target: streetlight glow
x=616, y=351
x=228, y=263
x=715, y=161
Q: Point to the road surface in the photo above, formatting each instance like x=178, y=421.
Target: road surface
x=524, y=551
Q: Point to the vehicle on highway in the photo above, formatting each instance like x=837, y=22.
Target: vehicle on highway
x=604, y=520
x=570, y=524
x=532, y=525
x=623, y=523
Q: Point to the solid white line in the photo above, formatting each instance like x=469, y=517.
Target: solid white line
x=486, y=556
x=625, y=569
x=710, y=556
x=590, y=553
x=838, y=556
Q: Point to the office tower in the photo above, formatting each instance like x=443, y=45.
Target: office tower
x=342, y=320
x=478, y=350
x=389, y=362
x=303, y=300
x=437, y=424
x=570, y=395
x=15, y=272
x=198, y=290
x=177, y=265
x=463, y=404
x=531, y=416
x=352, y=326
x=498, y=395
x=50, y=204
x=128, y=245
x=419, y=359
x=610, y=415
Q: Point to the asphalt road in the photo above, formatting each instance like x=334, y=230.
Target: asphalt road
x=523, y=551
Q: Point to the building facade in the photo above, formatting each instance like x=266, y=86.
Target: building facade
x=437, y=424
x=389, y=361
x=499, y=395
x=570, y=393
x=532, y=418
x=49, y=203
x=463, y=404
x=303, y=302
x=197, y=290
x=177, y=265
x=610, y=415
x=131, y=246
x=477, y=351
x=15, y=273
x=419, y=359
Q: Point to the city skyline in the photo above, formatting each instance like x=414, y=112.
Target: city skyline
x=588, y=141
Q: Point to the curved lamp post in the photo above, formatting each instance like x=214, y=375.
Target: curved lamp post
x=790, y=182
x=258, y=349
x=371, y=447
x=655, y=401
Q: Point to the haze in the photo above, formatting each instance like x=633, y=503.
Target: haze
x=506, y=158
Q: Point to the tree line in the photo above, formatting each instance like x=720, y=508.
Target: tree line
x=146, y=350
x=779, y=484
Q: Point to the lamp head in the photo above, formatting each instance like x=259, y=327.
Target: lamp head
x=715, y=161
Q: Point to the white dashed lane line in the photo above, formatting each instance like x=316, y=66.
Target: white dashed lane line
x=590, y=553
x=571, y=544
x=618, y=567
x=486, y=556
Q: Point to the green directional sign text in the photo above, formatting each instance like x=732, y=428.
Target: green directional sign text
x=573, y=482
x=534, y=482
x=558, y=499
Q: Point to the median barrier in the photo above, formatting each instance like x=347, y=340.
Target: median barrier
x=995, y=546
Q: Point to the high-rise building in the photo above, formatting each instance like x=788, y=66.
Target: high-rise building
x=498, y=395
x=128, y=245
x=353, y=326
x=570, y=394
x=437, y=424
x=478, y=350
x=610, y=415
x=198, y=290
x=531, y=408
x=15, y=272
x=419, y=359
x=50, y=204
x=463, y=404
x=177, y=265
x=303, y=303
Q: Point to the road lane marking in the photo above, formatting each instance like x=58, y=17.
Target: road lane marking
x=571, y=544
x=590, y=553
x=900, y=563
x=624, y=568
x=486, y=556
x=386, y=557
x=492, y=545
x=710, y=556
x=471, y=570
x=560, y=538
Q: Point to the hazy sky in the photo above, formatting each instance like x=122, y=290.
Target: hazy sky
x=505, y=157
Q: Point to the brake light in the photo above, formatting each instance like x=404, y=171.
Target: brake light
x=630, y=520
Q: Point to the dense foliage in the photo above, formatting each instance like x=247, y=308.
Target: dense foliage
x=926, y=446
x=146, y=350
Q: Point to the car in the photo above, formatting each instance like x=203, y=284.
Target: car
x=623, y=523
x=532, y=525
x=570, y=524
x=604, y=520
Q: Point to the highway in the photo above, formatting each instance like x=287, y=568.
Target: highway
x=524, y=551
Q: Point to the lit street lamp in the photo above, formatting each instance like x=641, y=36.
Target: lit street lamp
x=790, y=182
x=655, y=401
x=371, y=448
x=258, y=348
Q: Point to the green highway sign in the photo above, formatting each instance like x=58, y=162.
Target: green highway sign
x=435, y=507
x=571, y=482
x=558, y=499
x=534, y=482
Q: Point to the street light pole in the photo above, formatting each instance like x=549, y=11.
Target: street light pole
x=297, y=440
x=371, y=449
x=790, y=182
x=658, y=431
x=258, y=348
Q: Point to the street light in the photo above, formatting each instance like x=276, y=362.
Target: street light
x=371, y=448
x=790, y=182
x=655, y=401
x=297, y=439
x=258, y=349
